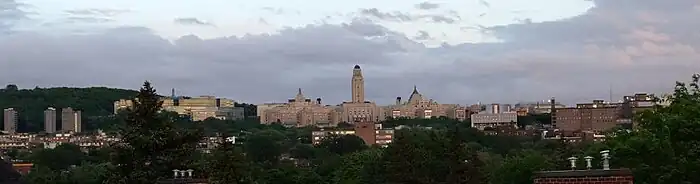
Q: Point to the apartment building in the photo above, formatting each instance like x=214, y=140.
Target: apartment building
x=50, y=120
x=10, y=120
x=600, y=115
x=71, y=120
x=371, y=133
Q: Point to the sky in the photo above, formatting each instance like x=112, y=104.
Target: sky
x=454, y=51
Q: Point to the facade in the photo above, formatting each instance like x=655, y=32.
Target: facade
x=10, y=120
x=600, y=115
x=371, y=134
x=50, y=120
x=197, y=108
x=302, y=111
x=485, y=120
x=419, y=107
x=71, y=120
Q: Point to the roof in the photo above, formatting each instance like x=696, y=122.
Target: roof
x=583, y=173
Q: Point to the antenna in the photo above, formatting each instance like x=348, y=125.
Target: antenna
x=610, y=92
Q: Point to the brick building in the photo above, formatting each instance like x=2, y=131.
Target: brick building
x=614, y=176
x=600, y=115
x=370, y=133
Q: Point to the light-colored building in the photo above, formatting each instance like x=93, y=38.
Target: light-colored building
x=483, y=120
x=10, y=120
x=197, y=108
x=71, y=120
x=261, y=108
x=301, y=111
x=419, y=107
x=50, y=120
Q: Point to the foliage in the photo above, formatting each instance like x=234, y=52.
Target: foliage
x=228, y=165
x=31, y=103
x=342, y=144
x=151, y=145
x=664, y=147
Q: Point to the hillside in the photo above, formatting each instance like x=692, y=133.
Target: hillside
x=31, y=103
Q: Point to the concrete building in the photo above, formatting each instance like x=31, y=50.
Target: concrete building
x=419, y=107
x=50, y=120
x=370, y=133
x=485, y=120
x=197, y=108
x=302, y=111
x=600, y=115
x=10, y=120
x=71, y=120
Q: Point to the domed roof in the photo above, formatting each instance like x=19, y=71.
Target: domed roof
x=357, y=66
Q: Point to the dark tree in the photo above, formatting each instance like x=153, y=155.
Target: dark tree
x=228, y=165
x=343, y=144
x=151, y=145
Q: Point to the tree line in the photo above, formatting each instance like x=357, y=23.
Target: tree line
x=662, y=148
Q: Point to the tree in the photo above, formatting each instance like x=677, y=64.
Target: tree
x=228, y=165
x=360, y=167
x=520, y=168
x=663, y=147
x=150, y=145
x=62, y=157
x=265, y=147
x=342, y=144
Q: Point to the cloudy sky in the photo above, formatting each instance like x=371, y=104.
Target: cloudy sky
x=455, y=51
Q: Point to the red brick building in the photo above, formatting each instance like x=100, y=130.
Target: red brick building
x=599, y=176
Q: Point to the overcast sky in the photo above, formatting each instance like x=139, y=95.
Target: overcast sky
x=455, y=51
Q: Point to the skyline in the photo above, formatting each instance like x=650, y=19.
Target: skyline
x=570, y=49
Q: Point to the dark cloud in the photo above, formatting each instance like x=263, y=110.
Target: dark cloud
x=192, y=21
x=427, y=6
x=633, y=46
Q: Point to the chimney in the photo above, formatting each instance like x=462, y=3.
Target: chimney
x=495, y=108
x=398, y=100
x=573, y=162
x=318, y=101
x=189, y=173
x=553, y=112
x=175, y=173
x=606, y=159
x=588, y=162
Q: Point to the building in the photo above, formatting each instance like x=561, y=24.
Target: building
x=302, y=111
x=10, y=120
x=485, y=120
x=369, y=132
x=50, y=120
x=197, y=108
x=71, y=120
x=359, y=109
x=600, y=115
x=419, y=107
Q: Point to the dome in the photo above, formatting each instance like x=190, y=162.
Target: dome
x=357, y=66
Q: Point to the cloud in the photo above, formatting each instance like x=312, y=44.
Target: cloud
x=396, y=16
x=11, y=12
x=633, y=45
x=422, y=35
x=427, y=6
x=192, y=21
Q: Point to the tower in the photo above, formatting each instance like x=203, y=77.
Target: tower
x=358, y=85
x=10, y=120
x=50, y=120
x=70, y=120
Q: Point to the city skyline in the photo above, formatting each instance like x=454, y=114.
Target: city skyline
x=490, y=51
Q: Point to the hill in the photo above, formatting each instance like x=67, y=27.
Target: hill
x=31, y=103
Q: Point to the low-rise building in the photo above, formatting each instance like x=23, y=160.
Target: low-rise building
x=371, y=133
x=483, y=120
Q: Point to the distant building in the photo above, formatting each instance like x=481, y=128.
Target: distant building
x=370, y=133
x=419, y=107
x=10, y=120
x=485, y=120
x=197, y=108
x=71, y=120
x=50, y=120
x=600, y=115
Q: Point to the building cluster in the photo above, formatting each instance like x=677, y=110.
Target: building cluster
x=371, y=133
x=302, y=111
x=197, y=108
x=28, y=141
x=71, y=120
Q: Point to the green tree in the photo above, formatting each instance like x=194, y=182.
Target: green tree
x=520, y=168
x=265, y=147
x=360, y=167
x=663, y=147
x=342, y=144
x=228, y=165
x=150, y=144
x=62, y=157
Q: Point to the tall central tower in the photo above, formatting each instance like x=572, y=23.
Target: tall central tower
x=358, y=85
